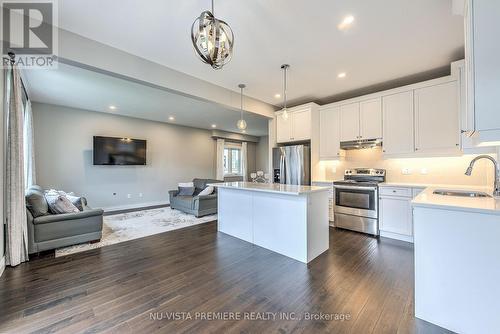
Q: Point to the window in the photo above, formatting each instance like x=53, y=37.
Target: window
x=232, y=160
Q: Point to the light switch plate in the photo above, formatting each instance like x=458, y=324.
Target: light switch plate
x=424, y=171
x=406, y=171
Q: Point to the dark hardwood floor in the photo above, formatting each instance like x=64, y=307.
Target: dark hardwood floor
x=120, y=288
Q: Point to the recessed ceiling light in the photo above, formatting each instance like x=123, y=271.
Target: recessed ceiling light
x=171, y=118
x=341, y=75
x=214, y=125
x=112, y=107
x=346, y=22
x=277, y=96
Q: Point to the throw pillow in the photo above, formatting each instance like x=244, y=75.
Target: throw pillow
x=186, y=191
x=60, y=204
x=207, y=191
x=77, y=201
x=36, y=202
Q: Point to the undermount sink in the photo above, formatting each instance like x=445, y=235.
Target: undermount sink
x=460, y=193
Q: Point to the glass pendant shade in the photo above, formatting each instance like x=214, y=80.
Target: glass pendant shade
x=284, y=115
x=242, y=124
x=212, y=39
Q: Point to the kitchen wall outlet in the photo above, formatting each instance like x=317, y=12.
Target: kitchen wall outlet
x=129, y=196
x=424, y=171
x=406, y=171
x=334, y=169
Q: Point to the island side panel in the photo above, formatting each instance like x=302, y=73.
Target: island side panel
x=235, y=213
x=280, y=224
x=456, y=265
x=318, y=230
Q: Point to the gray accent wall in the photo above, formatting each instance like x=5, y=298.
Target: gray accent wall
x=63, y=153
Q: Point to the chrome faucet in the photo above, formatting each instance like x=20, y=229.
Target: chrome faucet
x=468, y=172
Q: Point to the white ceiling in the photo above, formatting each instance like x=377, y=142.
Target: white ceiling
x=389, y=39
x=84, y=89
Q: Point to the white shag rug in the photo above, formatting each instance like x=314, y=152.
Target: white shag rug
x=137, y=224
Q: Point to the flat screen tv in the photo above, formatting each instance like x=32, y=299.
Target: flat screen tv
x=119, y=151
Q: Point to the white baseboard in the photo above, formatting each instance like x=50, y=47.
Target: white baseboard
x=2, y=265
x=396, y=236
x=134, y=206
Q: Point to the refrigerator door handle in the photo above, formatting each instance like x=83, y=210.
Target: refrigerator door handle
x=282, y=168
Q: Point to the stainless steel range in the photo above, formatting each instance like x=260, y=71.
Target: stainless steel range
x=356, y=200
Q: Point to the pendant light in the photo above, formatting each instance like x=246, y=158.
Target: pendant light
x=242, y=125
x=212, y=39
x=284, y=115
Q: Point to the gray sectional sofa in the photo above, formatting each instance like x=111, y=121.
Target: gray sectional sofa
x=195, y=205
x=49, y=231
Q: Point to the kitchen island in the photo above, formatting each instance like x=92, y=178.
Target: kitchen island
x=290, y=220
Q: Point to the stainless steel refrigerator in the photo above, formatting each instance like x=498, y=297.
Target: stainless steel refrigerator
x=292, y=164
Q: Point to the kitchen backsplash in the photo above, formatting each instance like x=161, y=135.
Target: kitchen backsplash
x=437, y=170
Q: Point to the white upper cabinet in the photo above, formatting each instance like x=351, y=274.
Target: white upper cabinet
x=370, y=113
x=329, y=133
x=398, y=123
x=283, y=129
x=296, y=128
x=361, y=120
x=349, y=122
x=301, y=125
x=482, y=28
x=437, y=123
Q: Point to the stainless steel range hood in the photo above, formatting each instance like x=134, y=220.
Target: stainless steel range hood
x=360, y=144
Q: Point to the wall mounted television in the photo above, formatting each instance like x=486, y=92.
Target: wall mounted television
x=119, y=151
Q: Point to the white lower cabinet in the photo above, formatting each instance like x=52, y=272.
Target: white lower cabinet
x=395, y=212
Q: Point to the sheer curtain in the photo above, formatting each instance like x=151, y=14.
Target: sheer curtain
x=244, y=158
x=29, y=147
x=16, y=250
x=220, y=160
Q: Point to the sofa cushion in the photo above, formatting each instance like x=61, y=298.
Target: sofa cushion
x=186, y=191
x=36, y=202
x=199, y=184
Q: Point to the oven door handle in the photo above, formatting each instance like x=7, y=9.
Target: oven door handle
x=354, y=188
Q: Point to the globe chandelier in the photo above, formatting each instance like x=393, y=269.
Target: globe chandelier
x=285, y=68
x=242, y=124
x=212, y=39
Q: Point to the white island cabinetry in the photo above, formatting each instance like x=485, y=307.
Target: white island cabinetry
x=287, y=219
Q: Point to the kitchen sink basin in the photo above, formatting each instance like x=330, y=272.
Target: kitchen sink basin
x=460, y=193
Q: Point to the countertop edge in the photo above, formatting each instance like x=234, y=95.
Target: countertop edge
x=450, y=207
x=274, y=191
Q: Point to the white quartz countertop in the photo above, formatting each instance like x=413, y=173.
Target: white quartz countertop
x=487, y=205
x=271, y=187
